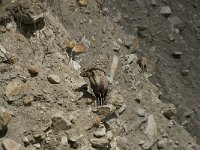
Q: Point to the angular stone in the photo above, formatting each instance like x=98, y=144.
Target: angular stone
x=153, y=3
x=142, y=27
x=116, y=99
x=100, y=132
x=171, y=37
x=9, y=144
x=177, y=54
x=162, y=143
x=116, y=46
x=53, y=79
x=132, y=58
x=14, y=90
x=105, y=111
x=151, y=129
x=5, y=118
x=109, y=135
x=31, y=13
x=60, y=122
x=165, y=11
x=128, y=40
x=185, y=72
x=28, y=99
x=99, y=143
x=2, y=51
x=64, y=140
x=121, y=109
x=169, y=111
x=147, y=145
x=73, y=139
x=141, y=112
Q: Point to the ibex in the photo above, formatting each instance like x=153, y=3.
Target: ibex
x=143, y=64
x=98, y=82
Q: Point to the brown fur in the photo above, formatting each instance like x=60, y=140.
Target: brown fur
x=99, y=85
x=143, y=64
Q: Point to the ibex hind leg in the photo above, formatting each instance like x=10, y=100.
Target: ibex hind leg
x=101, y=98
x=104, y=98
x=98, y=101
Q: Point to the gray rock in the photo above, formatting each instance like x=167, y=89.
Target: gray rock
x=184, y=123
x=105, y=11
x=53, y=79
x=9, y=26
x=86, y=147
x=171, y=37
x=116, y=46
x=141, y=142
x=116, y=99
x=151, y=129
x=15, y=91
x=153, y=3
x=125, y=68
x=37, y=145
x=185, y=72
x=162, y=143
x=25, y=140
x=177, y=54
x=109, y=135
x=141, y=112
x=32, y=13
x=2, y=51
x=169, y=111
x=128, y=40
x=147, y=145
x=165, y=11
x=9, y=144
x=132, y=58
x=121, y=109
x=142, y=27
x=189, y=113
x=64, y=140
x=73, y=139
x=118, y=17
x=99, y=143
x=60, y=122
x=100, y=132
x=5, y=118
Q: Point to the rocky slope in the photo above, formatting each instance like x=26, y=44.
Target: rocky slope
x=167, y=27
x=46, y=104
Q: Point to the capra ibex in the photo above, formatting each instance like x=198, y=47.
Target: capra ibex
x=98, y=82
x=143, y=64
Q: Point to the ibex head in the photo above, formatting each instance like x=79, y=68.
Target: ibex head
x=87, y=73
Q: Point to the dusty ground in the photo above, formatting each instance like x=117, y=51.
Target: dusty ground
x=49, y=112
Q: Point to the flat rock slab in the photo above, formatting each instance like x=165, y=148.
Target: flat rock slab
x=53, y=79
x=99, y=143
x=165, y=11
x=9, y=144
x=60, y=122
x=105, y=111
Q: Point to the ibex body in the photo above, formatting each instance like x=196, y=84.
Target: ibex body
x=143, y=64
x=99, y=84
